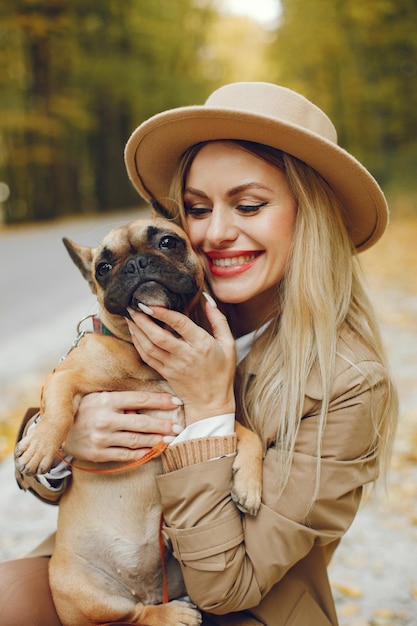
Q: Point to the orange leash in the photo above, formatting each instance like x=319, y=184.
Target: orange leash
x=165, y=597
x=153, y=453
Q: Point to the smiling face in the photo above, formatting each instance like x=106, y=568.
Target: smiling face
x=240, y=217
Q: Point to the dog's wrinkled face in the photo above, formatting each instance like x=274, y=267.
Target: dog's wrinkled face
x=148, y=261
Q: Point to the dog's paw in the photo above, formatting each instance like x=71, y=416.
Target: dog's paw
x=174, y=613
x=183, y=612
x=247, y=497
x=247, y=488
x=247, y=471
x=32, y=456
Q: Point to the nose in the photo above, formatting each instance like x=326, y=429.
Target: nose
x=139, y=263
x=221, y=228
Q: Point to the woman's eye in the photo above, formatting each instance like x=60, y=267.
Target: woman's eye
x=197, y=211
x=250, y=208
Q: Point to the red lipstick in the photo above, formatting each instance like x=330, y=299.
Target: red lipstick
x=228, y=263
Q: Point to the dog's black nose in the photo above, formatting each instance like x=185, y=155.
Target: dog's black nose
x=137, y=264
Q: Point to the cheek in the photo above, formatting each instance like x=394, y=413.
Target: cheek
x=285, y=228
x=195, y=231
x=281, y=232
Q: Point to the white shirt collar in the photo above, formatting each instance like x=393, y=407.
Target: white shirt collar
x=244, y=344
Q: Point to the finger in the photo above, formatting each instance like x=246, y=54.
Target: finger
x=102, y=445
x=123, y=455
x=115, y=454
x=179, y=322
x=137, y=441
x=108, y=422
x=220, y=327
x=217, y=321
x=143, y=424
x=146, y=332
x=121, y=401
x=156, y=346
x=149, y=352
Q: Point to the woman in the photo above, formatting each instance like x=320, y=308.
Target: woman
x=276, y=211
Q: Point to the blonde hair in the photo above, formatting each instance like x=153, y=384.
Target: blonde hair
x=322, y=289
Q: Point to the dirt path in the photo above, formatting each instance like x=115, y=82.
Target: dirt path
x=374, y=571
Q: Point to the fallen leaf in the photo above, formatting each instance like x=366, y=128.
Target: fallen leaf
x=348, y=610
x=351, y=592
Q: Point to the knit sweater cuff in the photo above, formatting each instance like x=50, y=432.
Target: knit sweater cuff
x=194, y=451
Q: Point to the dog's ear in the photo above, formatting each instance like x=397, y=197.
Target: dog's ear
x=158, y=210
x=83, y=259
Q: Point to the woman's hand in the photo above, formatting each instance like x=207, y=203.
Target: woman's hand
x=107, y=427
x=199, y=367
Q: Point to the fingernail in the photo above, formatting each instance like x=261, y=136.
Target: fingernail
x=177, y=429
x=145, y=309
x=176, y=401
x=168, y=439
x=210, y=300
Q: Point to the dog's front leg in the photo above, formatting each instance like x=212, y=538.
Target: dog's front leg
x=247, y=471
x=36, y=452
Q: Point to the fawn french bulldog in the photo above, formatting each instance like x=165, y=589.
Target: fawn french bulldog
x=106, y=566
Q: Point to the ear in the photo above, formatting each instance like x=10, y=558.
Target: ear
x=83, y=259
x=158, y=210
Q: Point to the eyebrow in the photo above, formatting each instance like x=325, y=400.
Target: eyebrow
x=232, y=192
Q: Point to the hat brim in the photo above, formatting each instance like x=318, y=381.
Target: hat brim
x=155, y=148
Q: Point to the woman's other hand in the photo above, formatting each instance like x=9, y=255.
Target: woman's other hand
x=115, y=426
x=199, y=367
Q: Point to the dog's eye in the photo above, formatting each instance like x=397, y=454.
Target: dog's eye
x=103, y=268
x=168, y=243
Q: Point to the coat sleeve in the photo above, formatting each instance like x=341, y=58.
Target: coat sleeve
x=230, y=561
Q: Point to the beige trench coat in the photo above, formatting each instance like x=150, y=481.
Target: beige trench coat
x=272, y=569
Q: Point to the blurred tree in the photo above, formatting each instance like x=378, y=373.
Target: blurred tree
x=79, y=76
x=358, y=61
x=237, y=48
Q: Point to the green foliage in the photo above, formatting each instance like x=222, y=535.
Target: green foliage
x=358, y=61
x=79, y=76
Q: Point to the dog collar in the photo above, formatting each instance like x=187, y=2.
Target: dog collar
x=99, y=328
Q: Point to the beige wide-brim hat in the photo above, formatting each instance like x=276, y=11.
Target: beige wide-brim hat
x=267, y=114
